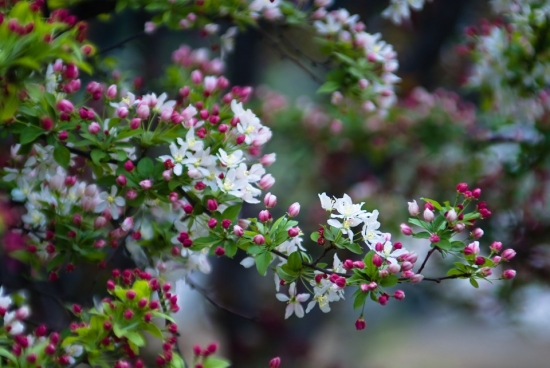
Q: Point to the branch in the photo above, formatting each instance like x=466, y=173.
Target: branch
x=325, y=251
x=311, y=265
x=284, y=53
x=122, y=42
x=439, y=279
x=205, y=293
x=426, y=259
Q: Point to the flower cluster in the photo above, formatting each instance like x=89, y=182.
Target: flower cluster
x=510, y=59
x=367, y=62
x=400, y=10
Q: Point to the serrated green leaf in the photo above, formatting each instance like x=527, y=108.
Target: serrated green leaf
x=353, y=247
x=294, y=261
x=419, y=223
x=474, y=283
x=232, y=212
x=389, y=281
x=422, y=235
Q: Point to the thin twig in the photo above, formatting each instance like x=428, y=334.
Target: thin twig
x=284, y=53
x=206, y=295
x=122, y=42
x=426, y=259
x=439, y=279
x=325, y=251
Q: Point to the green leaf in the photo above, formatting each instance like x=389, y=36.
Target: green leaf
x=5, y=353
x=422, y=235
x=360, y=299
x=214, y=362
x=96, y=156
x=232, y=212
x=443, y=244
x=145, y=167
x=315, y=236
x=204, y=242
x=354, y=247
x=135, y=337
x=30, y=134
x=177, y=361
x=294, y=261
x=433, y=202
x=419, y=223
x=474, y=282
x=389, y=281
x=328, y=87
x=262, y=262
x=454, y=271
x=230, y=248
x=62, y=155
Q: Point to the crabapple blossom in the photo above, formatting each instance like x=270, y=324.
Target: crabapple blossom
x=293, y=300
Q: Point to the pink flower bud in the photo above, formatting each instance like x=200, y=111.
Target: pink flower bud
x=129, y=166
x=259, y=239
x=226, y=223
x=508, y=254
x=167, y=175
x=196, y=77
x=341, y=282
x=417, y=278
x=264, y=216
x=127, y=224
x=293, y=231
x=65, y=106
x=405, y=229
x=485, y=272
x=99, y=222
x=434, y=238
x=294, y=209
x=383, y=299
x=121, y=180
x=461, y=187
x=476, y=193
x=394, y=268
x=275, y=362
x=472, y=248
x=414, y=210
x=128, y=314
x=407, y=266
x=212, y=205
x=131, y=194
x=364, y=288
x=379, y=247
x=451, y=215
x=135, y=123
x=268, y=159
x=266, y=182
x=63, y=135
x=360, y=324
x=479, y=261
x=377, y=260
x=130, y=294
x=459, y=227
x=477, y=233
x=399, y=295
x=509, y=274
x=428, y=215
x=94, y=128
x=348, y=264
x=496, y=259
x=143, y=111
x=270, y=200
x=112, y=91
x=359, y=264
x=238, y=231
x=219, y=251
x=145, y=184
x=212, y=223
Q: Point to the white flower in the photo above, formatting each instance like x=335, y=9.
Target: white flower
x=326, y=202
x=371, y=234
x=294, y=301
x=5, y=300
x=230, y=184
x=253, y=175
x=230, y=160
x=111, y=201
x=16, y=328
x=389, y=254
x=249, y=262
x=178, y=156
x=320, y=299
x=332, y=26
x=193, y=143
x=351, y=215
x=74, y=351
x=228, y=41
x=249, y=124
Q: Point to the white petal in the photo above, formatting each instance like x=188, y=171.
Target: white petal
x=282, y=297
x=302, y=297
x=299, y=310
x=290, y=310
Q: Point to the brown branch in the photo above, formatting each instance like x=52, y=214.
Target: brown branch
x=439, y=279
x=121, y=43
x=205, y=293
x=325, y=251
x=426, y=259
x=284, y=53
